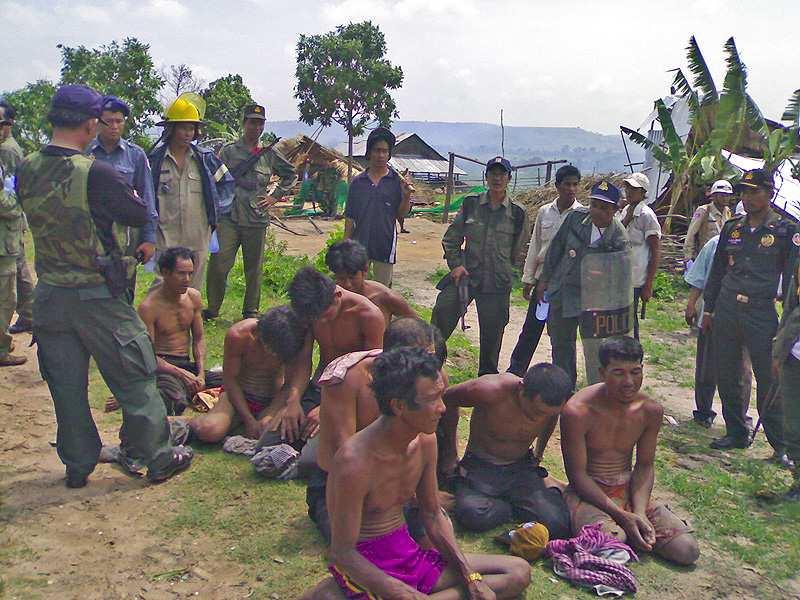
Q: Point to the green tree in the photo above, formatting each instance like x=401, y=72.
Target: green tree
x=32, y=104
x=225, y=97
x=343, y=76
x=125, y=70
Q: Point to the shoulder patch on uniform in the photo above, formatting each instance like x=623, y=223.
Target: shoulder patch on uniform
x=796, y=239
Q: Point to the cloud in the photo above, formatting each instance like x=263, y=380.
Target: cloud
x=404, y=10
x=92, y=14
x=163, y=9
x=21, y=15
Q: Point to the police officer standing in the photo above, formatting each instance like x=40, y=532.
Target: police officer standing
x=492, y=229
x=754, y=251
x=252, y=166
x=74, y=204
x=584, y=231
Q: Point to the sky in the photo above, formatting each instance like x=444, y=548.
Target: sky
x=587, y=64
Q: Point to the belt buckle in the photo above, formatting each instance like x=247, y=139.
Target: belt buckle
x=742, y=298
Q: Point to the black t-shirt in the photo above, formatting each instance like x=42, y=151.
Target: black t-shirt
x=373, y=208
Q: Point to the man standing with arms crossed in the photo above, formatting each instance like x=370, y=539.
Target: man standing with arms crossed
x=72, y=203
x=376, y=199
x=492, y=229
x=548, y=220
x=252, y=166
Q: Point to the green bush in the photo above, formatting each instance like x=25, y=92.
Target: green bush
x=666, y=286
x=337, y=235
x=279, y=267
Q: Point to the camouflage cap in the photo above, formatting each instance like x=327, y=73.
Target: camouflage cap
x=254, y=111
x=79, y=99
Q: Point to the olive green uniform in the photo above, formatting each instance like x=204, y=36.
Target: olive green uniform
x=492, y=239
x=246, y=226
x=740, y=293
x=562, y=276
x=75, y=318
x=785, y=351
x=10, y=247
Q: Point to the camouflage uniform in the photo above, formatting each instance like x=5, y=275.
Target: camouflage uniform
x=246, y=226
x=493, y=238
x=77, y=318
x=10, y=246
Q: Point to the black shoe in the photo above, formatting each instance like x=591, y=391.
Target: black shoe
x=706, y=422
x=76, y=480
x=728, y=442
x=780, y=458
x=21, y=326
x=793, y=495
x=208, y=315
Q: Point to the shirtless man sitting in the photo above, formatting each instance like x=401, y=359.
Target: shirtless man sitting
x=259, y=375
x=600, y=426
x=376, y=472
x=171, y=313
x=340, y=322
x=499, y=478
x=348, y=404
x=349, y=263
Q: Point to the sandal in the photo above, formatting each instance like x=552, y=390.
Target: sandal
x=181, y=460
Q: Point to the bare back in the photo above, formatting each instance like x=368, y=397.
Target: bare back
x=391, y=304
x=261, y=373
x=171, y=320
x=358, y=326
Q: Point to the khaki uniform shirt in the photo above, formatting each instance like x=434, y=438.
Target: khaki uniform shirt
x=182, y=219
x=706, y=223
x=548, y=220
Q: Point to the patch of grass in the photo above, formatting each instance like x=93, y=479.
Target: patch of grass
x=462, y=354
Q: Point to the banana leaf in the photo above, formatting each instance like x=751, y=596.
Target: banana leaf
x=703, y=79
x=648, y=144
x=675, y=145
x=792, y=112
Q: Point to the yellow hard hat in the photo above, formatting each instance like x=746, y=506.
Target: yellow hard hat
x=186, y=108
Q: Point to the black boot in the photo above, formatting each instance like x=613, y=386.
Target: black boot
x=793, y=495
x=76, y=480
x=729, y=441
x=21, y=326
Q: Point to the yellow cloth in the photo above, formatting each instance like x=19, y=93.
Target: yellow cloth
x=529, y=540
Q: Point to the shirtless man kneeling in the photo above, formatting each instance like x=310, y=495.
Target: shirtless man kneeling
x=349, y=263
x=348, y=404
x=259, y=375
x=171, y=313
x=499, y=479
x=376, y=472
x=340, y=322
x=600, y=426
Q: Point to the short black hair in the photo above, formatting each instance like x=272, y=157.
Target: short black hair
x=567, y=171
x=311, y=293
x=280, y=330
x=66, y=118
x=169, y=258
x=9, y=111
x=395, y=374
x=622, y=347
x=413, y=331
x=551, y=383
x=380, y=134
x=347, y=256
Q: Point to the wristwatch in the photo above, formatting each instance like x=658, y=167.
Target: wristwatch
x=475, y=576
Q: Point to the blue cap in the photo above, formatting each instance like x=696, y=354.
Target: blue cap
x=114, y=104
x=605, y=191
x=80, y=99
x=499, y=160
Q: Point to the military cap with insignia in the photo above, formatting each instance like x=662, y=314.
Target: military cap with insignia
x=254, y=111
x=605, y=191
x=756, y=178
x=499, y=160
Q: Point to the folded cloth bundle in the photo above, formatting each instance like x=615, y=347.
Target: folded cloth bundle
x=238, y=444
x=594, y=559
x=276, y=462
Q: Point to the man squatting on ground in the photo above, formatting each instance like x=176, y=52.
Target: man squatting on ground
x=340, y=322
x=263, y=372
x=548, y=219
x=171, y=313
x=349, y=263
x=375, y=474
x=348, y=404
x=79, y=311
x=499, y=479
x=600, y=427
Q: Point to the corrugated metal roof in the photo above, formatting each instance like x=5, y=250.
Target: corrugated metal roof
x=422, y=165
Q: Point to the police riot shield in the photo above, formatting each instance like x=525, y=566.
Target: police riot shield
x=606, y=300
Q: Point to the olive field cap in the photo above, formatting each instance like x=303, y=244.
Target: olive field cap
x=499, y=160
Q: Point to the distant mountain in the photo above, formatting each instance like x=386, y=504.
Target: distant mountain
x=587, y=150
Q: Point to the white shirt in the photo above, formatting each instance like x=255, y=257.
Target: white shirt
x=548, y=220
x=796, y=349
x=642, y=226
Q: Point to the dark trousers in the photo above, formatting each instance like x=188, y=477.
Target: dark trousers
x=563, y=332
x=705, y=382
x=488, y=495
x=790, y=390
x=24, y=287
x=737, y=326
x=528, y=341
x=492, y=320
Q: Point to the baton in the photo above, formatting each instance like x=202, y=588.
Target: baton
x=463, y=298
x=643, y=312
x=771, y=395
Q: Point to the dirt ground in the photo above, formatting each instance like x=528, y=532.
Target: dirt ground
x=101, y=541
